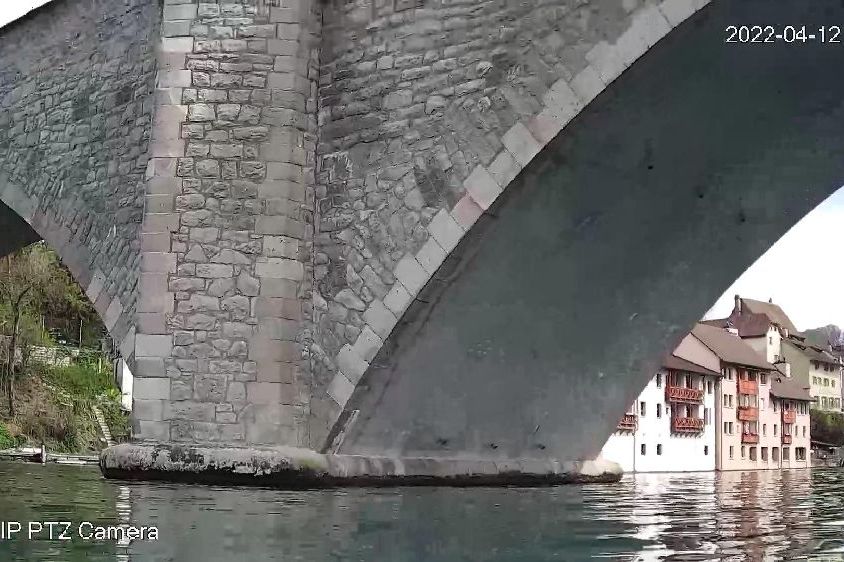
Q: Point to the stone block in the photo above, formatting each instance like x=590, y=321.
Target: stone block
x=150, y=410
x=587, y=84
x=430, y=256
x=380, y=319
x=152, y=430
x=367, y=344
x=631, y=44
x=158, y=262
x=466, y=212
x=351, y=363
x=445, y=230
x=544, y=126
x=149, y=367
x=411, y=274
x=520, y=143
x=151, y=389
x=604, y=58
x=112, y=314
x=173, y=79
x=189, y=410
x=398, y=299
x=676, y=11
x=268, y=393
x=179, y=12
x=280, y=268
x=148, y=345
x=176, y=44
x=340, y=389
x=651, y=24
x=482, y=187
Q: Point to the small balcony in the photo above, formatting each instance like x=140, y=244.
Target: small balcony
x=683, y=394
x=627, y=423
x=789, y=416
x=686, y=424
x=786, y=439
x=749, y=438
x=748, y=387
x=748, y=413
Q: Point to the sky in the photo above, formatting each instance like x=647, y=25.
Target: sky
x=803, y=272
x=13, y=9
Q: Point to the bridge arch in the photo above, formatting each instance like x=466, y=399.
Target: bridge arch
x=696, y=159
x=76, y=82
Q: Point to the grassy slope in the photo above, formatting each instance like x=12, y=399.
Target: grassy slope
x=54, y=404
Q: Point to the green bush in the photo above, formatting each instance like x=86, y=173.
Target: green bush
x=81, y=379
x=827, y=427
x=6, y=440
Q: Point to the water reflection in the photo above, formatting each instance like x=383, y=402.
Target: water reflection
x=750, y=516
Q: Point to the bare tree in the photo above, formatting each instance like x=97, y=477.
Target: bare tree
x=25, y=282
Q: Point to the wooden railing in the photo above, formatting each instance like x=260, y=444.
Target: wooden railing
x=686, y=424
x=683, y=394
x=749, y=438
x=627, y=422
x=789, y=416
x=748, y=413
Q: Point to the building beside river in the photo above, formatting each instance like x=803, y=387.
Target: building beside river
x=717, y=403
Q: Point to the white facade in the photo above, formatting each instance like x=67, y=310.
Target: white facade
x=654, y=446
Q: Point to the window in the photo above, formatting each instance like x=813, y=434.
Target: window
x=658, y=412
x=706, y=416
x=804, y=431
x=776, y=405
x=764, y=429
x=731, y=451
x=825, y=381
x=688, y=381
x=659, y=449
x=765, y=454
x=709, y=387
x=731, y=400
x=642, y=410
x=761, y=403
x=642, y=450
x=785, y=454
x=706, y=449
x=832, y=382
x=731, y=428
x=658, y=380
x=726, y=401
x=800, y=453
x=770, y=340
x=753, y=453
x=775, y=430
x=763, y=379
x=742, y=451
x=775, y=454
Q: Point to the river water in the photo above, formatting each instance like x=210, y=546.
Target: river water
x=704, y=516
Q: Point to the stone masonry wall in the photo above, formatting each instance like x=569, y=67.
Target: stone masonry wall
x=428, y=110
x=227, y=232
x=75, y=115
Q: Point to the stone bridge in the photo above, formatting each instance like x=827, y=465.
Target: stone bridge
x=408, y=228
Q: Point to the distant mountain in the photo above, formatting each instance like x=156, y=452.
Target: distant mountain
x=825, y=336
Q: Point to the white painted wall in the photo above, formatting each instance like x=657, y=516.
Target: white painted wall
x=679, y=452
x=125, y=382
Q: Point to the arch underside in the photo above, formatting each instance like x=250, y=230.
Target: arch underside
x=554, y=310
x=15, y=233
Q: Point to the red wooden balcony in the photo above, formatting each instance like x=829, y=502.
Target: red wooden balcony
x=748, y=413
x=686, y=424
x=627, y=422
x=789, y=416
x=748, y=387
x=749, y=438
x=683, y=394
x=786, y=439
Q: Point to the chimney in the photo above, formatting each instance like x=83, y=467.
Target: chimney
x=732, y=330
x=737, y=307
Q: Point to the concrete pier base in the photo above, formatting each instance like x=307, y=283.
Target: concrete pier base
x=294, y=468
